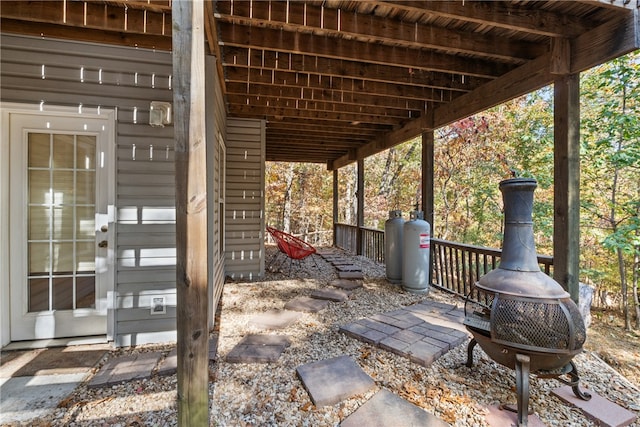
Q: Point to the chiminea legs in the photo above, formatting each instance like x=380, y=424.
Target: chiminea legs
x=523, y=364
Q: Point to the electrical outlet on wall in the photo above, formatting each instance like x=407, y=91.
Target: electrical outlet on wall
x=158, y=305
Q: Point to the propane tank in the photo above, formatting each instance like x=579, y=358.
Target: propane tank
x=393, y=228
x=416, y=247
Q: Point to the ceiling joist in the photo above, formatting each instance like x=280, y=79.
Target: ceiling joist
x=339, y=80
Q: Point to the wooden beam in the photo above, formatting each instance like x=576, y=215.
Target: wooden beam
x=211, y=30
x=608, y=41
x=191, y=213
x=299, y=113
x=499, y=14
x=566, y=183
x=118, y=38
x=404, y=133
x=311, y=44
x=278, y=67
x=329, y=106
x=300, y=17
x=527, y=78
x=593, y=48
x=403, y=98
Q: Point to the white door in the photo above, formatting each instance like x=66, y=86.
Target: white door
x=61, y=245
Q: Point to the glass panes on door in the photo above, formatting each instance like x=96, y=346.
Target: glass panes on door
x=61, y=221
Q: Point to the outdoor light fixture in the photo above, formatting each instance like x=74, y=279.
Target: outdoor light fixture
x=160, y=113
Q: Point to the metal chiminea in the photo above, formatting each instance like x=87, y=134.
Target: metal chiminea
x=522, y=318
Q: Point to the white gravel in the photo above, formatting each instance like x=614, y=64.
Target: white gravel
x=272, y=395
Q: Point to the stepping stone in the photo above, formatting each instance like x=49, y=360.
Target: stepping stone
x=169, y=365
x=406, y=334
x=363, y=333
x=213, y=347
x=336, y=295
x=426, y=351
x=333, y=380
x=602, y=411
x=347, y=267
x=306, y=304
x=387, y=409
x=258, y=349
x=350, y=275
x=274, y=319
x=346, y=284
x=498, y=417
x=326, y=252
x=126, y=368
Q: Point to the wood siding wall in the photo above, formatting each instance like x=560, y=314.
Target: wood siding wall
x=245, y=199
x=57, y=72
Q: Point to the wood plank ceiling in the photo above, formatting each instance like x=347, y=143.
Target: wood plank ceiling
x=337, y=80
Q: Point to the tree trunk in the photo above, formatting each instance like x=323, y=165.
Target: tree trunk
x=286, y=210
x=636, y=274
x=636, y=270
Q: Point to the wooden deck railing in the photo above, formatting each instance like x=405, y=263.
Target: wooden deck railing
x=456, y=266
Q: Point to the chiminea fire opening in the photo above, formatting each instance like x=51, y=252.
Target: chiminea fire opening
x=522, y=318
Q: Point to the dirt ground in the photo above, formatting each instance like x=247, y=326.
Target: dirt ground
x=619, y=348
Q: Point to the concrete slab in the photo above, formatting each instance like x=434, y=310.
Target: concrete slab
x=259, y=349
x=126, y=368
x=306, y=304
x=387, y=409
x=54, y=360
x=602, y=411
x=26, y=398
x=336, y=295
x=274, y=319
x=332, y=380
x=346, y=284
x=497, y=417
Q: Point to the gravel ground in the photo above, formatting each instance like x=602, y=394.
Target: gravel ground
x=272, y=395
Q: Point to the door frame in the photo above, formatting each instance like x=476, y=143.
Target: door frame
x=109, y=118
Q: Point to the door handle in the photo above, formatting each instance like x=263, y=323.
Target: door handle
x=104, y=228
x=103, y=244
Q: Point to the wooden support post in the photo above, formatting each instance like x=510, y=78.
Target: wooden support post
x=191, y=213
x=566, y=228
x=427, y=186
x=360, y=214
x=336, y=197
x=428, y=164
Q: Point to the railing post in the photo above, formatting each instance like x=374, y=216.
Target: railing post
x=360, y=215
x=335, y=204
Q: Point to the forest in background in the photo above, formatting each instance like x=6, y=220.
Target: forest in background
x=473, y=155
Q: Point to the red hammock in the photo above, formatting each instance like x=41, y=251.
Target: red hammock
x=290, y=245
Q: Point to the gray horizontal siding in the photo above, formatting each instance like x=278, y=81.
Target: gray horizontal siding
x=38, y=70
x=244, y=199
x=92, y=76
